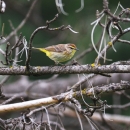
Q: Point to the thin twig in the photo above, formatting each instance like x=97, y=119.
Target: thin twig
x=21, y=24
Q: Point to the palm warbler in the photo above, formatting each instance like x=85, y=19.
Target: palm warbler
x=59, y=53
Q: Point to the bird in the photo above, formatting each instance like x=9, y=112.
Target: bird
x=60, y=52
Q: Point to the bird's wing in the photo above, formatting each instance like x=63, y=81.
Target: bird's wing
x=56, y=48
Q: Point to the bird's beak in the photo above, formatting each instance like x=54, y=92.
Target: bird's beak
x=77, y=49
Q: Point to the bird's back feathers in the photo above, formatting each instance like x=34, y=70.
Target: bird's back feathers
x=56, y=48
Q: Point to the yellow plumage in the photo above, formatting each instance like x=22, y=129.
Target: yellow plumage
x=59, y=53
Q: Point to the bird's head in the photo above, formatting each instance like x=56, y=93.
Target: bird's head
x=72, y=47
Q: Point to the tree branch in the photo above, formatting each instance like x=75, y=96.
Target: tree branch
x=73, y=69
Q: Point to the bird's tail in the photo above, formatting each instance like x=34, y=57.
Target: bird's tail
x=40, y=49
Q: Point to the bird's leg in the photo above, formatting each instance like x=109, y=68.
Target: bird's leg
x=56, y=63
x=61, y=64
